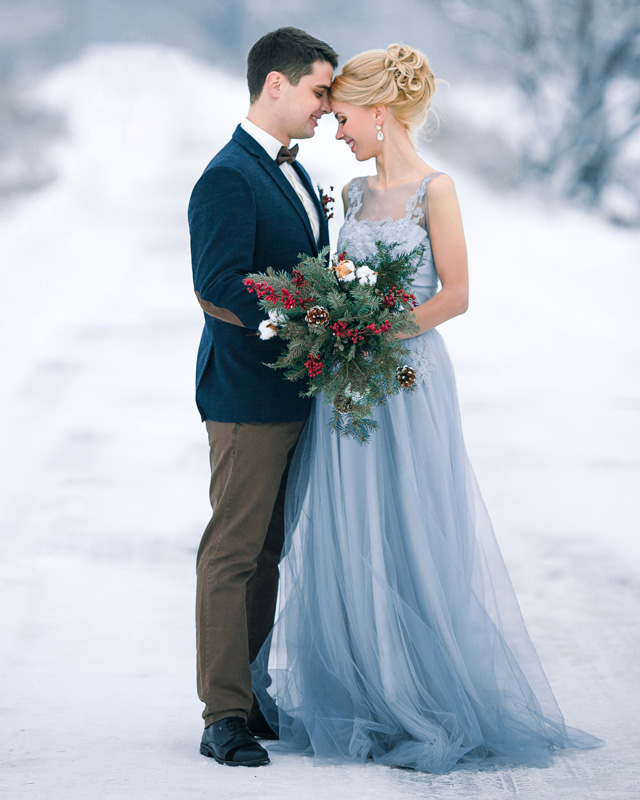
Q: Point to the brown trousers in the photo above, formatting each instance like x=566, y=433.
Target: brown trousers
x=237, y=564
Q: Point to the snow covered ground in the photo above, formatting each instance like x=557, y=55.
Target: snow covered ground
x=103, y=482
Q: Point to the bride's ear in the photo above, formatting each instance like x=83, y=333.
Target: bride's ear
x=379, y=114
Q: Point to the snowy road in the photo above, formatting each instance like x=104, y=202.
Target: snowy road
x=99, y=659
x=103, y=484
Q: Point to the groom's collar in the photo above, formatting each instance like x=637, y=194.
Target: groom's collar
x=264, y=139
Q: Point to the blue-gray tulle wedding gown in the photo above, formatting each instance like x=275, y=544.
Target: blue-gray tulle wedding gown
x=399, y=637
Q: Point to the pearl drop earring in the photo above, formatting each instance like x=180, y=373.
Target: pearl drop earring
x=380, y=136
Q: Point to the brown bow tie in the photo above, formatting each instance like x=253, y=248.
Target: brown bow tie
x=287, y=155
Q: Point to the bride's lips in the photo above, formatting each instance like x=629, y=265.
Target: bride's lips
x=351, y=144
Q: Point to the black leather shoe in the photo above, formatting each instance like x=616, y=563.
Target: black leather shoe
x=230, y=742
x=259, y=726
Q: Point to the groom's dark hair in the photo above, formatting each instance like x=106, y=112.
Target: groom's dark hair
x=289, y=51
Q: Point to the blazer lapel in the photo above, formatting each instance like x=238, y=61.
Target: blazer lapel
x=306, y=182
x=274, y=171
x=323, y=238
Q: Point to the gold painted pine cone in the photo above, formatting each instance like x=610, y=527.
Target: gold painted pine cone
x=318, y=315
x=406, y=376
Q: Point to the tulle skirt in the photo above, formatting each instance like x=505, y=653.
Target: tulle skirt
x=398, y=635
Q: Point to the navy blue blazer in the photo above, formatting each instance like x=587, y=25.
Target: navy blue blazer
x=245, y=216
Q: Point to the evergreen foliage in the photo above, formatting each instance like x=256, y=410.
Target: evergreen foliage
x=340, y=325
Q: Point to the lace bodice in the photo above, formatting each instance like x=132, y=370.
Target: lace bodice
x=399, y=215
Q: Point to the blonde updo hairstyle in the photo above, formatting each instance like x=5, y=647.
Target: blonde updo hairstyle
x=398, y=77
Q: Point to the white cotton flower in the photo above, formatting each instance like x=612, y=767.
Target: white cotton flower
x=267, y=329
x=366, y=276
x=345, y=270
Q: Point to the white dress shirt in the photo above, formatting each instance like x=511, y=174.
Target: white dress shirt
x=272, y=146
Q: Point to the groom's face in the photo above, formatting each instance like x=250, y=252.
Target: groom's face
x=302, y=105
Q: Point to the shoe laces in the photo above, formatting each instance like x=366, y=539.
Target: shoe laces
x=235, y=724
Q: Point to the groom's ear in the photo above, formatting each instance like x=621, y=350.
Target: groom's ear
x=274, y=83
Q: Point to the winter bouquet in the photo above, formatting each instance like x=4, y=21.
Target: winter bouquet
x=340, y=323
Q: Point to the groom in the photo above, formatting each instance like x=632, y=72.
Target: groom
x=254, y=207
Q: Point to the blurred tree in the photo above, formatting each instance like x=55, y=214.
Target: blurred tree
x=577, y=66
x=24, y=128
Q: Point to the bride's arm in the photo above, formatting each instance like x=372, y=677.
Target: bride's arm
x=449, y=254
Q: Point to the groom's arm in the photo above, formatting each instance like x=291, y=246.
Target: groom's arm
x=222, y=223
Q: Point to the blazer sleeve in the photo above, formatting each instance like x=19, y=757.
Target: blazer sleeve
x=222, y=224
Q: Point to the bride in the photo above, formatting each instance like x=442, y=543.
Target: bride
x=399, y=636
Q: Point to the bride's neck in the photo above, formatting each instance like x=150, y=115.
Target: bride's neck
x=398, y=162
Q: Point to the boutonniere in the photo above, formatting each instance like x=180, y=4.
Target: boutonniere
x=327, y=202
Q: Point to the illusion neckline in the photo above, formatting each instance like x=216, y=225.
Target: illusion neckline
x=410, y=206
x=418, y=181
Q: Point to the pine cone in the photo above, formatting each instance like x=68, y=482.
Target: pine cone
x=406, y=376
x=343, y=404
x=318, y=315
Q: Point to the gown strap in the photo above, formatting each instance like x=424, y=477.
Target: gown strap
x=354, y=197
x=417, y=204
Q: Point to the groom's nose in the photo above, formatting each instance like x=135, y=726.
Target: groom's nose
x=325, y=108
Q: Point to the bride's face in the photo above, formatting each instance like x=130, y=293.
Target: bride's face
x=357, y=127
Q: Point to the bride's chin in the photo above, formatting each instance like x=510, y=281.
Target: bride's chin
x=356, y=150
